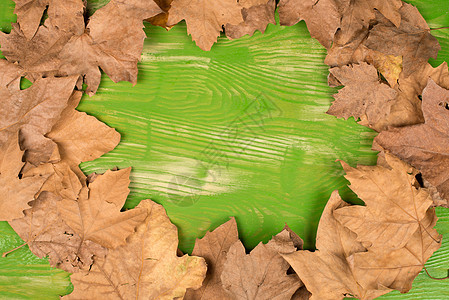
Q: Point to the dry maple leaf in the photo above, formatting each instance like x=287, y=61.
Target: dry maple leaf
x=357, y=15
x=262, y=274
x=411, y=40
x=113, y=42
x=205, y=18
x=364, y=95
x=62, y=180
x=47, y=235
x=394, y=208
x=39, y=57
x=67, y=15
x=425, y=146
x=322, y=17
x=33, y=112
x=81, y=137
x=327, y=273
x=96, y=215
x=15, y=193
x=397, y=269
x=10, y=75
x=29, y=14
x=257, y=14
x=146, y=267
x=213, y=248
x=406, y=108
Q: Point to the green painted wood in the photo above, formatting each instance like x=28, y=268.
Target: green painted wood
x=24, y=276
x=238, y=131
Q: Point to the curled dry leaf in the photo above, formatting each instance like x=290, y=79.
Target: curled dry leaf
x=15, y=193
x=46, y=234
x=262, y=274
x=161, y=18
x=257, y=14
x=213, y=247
x=327, y=272
x=425, y=146
x=205, y=18
x=146, y=267
x=364, y=96
x=394, y=209
x=96, y=215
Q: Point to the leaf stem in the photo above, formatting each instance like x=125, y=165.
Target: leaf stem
x=12, y=250
x=438, y=28
x=434, y=278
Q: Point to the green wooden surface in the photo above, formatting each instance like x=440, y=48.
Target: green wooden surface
x=238, y=131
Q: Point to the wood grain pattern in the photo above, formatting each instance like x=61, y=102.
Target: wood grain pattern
x=238, y=131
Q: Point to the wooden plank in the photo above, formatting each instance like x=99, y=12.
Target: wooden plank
x=238, y=131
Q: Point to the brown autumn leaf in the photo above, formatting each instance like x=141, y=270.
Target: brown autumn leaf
x=257, y=14
x=213, y=248
x=394, y=209
x=146, y=267
x=67, y=15
x=262, y=274
x=347, y=46
x=15, y=193
x=46, y=234
x=32, y=113
x=96, y=215
x=425, y=146
x=112, y=41
x=411, y=40
x=161, y=18
x=389, y=66
x=322, y=17
x=364, y=95
x=29, y=14
x=64, y=14
x=327, y=272
x=81, y=137
x=406, y=108
x=205, y=18
x=63, y=180
x=398, y=268
x=10, y=75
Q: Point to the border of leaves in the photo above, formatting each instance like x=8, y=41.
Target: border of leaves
x=331, y=79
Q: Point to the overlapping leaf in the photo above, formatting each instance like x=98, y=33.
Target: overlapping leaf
x=425, y=146
x=262, y=274
x=146, y=267
x=46, y=234
x=64, y=46
x=96, y=215
x=394, y=209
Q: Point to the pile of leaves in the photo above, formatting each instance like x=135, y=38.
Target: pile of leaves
x=377, y=49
